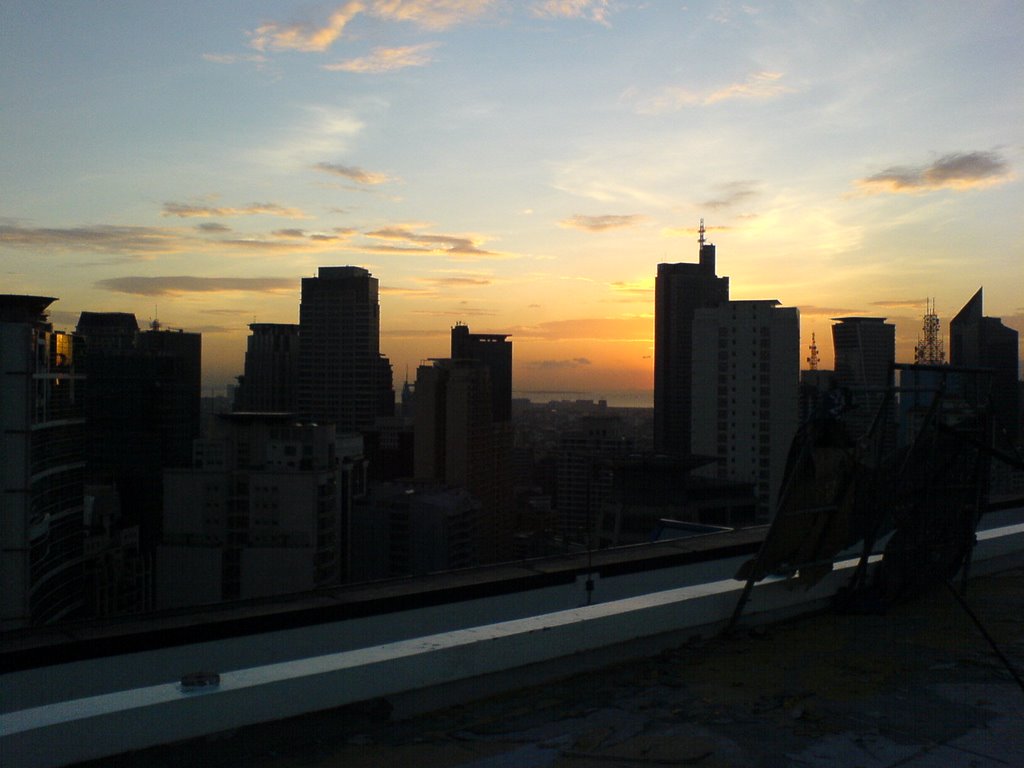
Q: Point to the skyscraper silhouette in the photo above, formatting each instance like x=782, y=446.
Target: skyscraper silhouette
x=746, y=392
x=495, y=351
x=865, y=349
x=343, y=378
x=42, y=455
x=976, y=341
x=680, y=289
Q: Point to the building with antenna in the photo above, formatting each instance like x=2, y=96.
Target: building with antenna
x=929, y=349
x=679, y=291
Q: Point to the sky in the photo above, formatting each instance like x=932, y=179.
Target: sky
x=521, y=167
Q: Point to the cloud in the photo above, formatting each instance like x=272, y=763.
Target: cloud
x=691, y=231
x=601, y=223
x=100, y=238
x=383, y=60
x=407, y=241
x=455, y=281
x=230, y=58
x=595, y=10
x=759, y=86
x=576, y=362
x=730, y=194
x=310, y=37
x=353, y=173
x=186, y=210
x=812, y=310
x=432, y=14
x=394, y=290
x=643, y=290
x=288, y=233
x=461, y=312
x=304, y=37
x=178, y=284
x=900, y=303
x=213, y=227
x=602, y=328
x=956, y=170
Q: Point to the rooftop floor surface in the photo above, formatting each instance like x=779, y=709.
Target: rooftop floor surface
x=917, y=686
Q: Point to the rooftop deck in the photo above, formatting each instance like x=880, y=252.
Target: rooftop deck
x=916, y=687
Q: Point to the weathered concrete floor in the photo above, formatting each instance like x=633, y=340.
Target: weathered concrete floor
x=916, y=687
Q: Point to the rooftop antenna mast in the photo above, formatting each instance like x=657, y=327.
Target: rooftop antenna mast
x=813, y=360
x=929, y=350
x=700, y=232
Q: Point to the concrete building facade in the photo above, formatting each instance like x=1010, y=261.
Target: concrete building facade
x=679, y=291
x=42, y=460
x=263, y=510
x=745, y=383
x=343, y=379
x=270, y=380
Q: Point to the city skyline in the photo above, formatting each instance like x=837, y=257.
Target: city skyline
x=521, y=168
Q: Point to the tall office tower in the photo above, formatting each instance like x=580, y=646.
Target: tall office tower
x=143, y=392
x=271, y=369
x=42, y=526
x=976, y=341
x=494, y=351
x=679, y=291
x=459, y=444
x=343, y=378
x=746, y=392
x=586, y=455
x=865, y=349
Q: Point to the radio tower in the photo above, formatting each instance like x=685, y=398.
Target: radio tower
x=812, y=361
x=929, y=349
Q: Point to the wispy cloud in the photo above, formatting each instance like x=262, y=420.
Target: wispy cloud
x=730, y=194
x=601, y=223
x=637, y=290
x=594, y=10
x=759, y=86
x=188, y=210
x=956, y=170
x=459, y=313
x=213, y=227
x=319, y=36
x=462, y=281
x=231, y=58
x=353, y=173
x=432, y=14
x=575, y=362
x=899, y=303
x=383, y=60
x=178, y=284
x=304, y=36
x=602, y=328
x=99, y=238
x=812, y=310
x=402, y=240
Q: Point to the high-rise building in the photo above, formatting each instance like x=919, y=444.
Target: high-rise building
x=976, y=341
x=343, y=378
x=586, y=453
x=494, y=351
x=263, y=510
x=142, y=406
x=679, y=291
x=271, y=369
x=459, y=444
x=746, y=392
x=865, y=350
x=42, y=460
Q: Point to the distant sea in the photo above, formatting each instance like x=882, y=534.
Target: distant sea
x=622, y=398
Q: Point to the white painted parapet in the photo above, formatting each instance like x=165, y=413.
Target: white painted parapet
x=95, y=726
